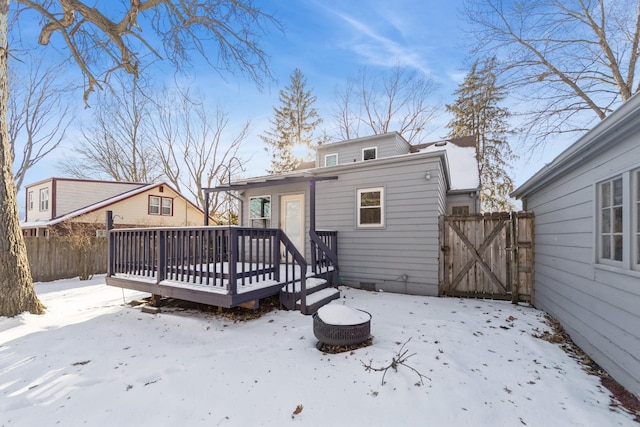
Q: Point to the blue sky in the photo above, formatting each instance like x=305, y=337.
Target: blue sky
x=329, y=41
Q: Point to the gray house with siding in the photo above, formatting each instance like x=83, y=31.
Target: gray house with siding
x=382, y=195
x=587, y=242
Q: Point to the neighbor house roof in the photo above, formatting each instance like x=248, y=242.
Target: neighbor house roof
x=99, y=205
x=615, y=128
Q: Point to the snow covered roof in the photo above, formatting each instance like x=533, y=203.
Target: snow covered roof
x=463, y=166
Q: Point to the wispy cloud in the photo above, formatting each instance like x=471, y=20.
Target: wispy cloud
x=374, y=47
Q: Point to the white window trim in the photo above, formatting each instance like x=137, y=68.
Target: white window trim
x=370, y=148
x=598, y=233
x=44, y=192
x=162, y=206
x=635, y=214
x=30, y=202
x=359, y=191
x=268, y=218
x=158, y=206
x=330, y=155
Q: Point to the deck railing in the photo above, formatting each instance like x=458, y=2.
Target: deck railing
x=227, y=258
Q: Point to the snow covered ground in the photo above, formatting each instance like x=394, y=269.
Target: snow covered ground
x=92, y=360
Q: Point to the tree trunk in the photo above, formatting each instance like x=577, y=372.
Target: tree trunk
x=16, y=286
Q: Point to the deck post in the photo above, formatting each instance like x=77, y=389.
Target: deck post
x=110, y=243
x=275, y=255
x=335, y=280
x=162, y=256
x=206, y=208
x=312, y=205
x=232, y=258
x=312, y=223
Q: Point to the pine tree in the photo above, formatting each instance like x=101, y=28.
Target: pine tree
x=476, y=112
x=293, y=124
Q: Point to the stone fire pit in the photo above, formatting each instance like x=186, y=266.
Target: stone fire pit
x=336, y=324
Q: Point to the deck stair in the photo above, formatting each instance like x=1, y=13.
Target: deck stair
x=319, y=293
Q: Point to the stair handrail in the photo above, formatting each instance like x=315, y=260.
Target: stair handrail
x=328, y=252
x=290, y=249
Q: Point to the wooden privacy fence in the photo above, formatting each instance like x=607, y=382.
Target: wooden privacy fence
x=55, y=258
x=487, y=256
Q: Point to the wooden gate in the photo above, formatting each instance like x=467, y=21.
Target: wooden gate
x=487, y=256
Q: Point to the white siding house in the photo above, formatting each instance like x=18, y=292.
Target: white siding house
x=587, y=242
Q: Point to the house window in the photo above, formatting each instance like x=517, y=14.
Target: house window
x=160, y=206
x=44, y=199
x=331, y=159
x=260, y=211
x=30, y=200
x=167, y=206
x=370, y=209
x=462, y=210
x=154, y=205
x=610, y=219
x=636, y=204
x=370, y=153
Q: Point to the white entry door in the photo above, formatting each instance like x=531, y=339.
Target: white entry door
x=292, y=219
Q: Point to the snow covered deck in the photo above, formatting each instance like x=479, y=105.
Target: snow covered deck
x=222, y=266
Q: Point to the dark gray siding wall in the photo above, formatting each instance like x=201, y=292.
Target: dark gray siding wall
x=598, y=305
x=402, y=256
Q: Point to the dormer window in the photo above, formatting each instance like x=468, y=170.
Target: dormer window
x=331, y=159
x=370, y=153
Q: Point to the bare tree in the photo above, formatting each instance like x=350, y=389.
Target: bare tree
x=195, y=151
x=102, y=39
x=396, y=101
x=115, y=143
x=570, y=62
x=345, y=113
x=16, y=287
x=38, y=115
x=224, y=33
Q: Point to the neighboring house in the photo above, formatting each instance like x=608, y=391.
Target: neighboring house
x=587, y=242
x=56, y=206
x=382, y=195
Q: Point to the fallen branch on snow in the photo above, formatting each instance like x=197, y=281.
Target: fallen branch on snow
x=400, y=358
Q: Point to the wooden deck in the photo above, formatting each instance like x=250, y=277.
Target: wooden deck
x=221, y=266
